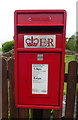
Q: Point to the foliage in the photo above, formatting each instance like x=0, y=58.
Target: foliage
x=71, y=43
x=0, y=49
x=7, y=46
x=76, y=41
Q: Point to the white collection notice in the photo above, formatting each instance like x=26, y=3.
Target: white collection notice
x=39, y=78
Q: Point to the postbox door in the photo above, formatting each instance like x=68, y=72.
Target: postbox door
x=39, y=78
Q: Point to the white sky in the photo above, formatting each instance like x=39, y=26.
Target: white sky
x=7, y=8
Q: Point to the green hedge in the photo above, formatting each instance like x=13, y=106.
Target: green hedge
x=7, y=46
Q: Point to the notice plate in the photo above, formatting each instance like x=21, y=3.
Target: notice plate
x=39, y=41
x=39, y=78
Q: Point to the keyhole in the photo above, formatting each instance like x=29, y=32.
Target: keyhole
x=25, y=80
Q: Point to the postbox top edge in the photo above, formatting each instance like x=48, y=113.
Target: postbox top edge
x=41, y=11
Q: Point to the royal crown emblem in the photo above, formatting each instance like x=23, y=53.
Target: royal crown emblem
x=32, y=41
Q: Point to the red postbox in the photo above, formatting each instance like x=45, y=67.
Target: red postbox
x=39, y=58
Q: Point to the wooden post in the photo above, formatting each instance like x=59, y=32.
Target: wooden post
x=77, y=108
x=13, y=109
x=77, y=100
x=4, y=90
x=41, y=114
x=71, y=89
x=46, y=114
x=0, y=87
x=24, y=113
x=37, y=114
x=57, y=114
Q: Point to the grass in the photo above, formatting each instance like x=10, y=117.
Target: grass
x=65, y=88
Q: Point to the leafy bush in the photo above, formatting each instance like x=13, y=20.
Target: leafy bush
x=7, y=46
x=71, y=43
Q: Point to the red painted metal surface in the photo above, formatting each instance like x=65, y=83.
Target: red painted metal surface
x=41, y=23
x=25, y=79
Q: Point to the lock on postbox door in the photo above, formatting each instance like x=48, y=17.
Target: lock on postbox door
x=39, y=58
